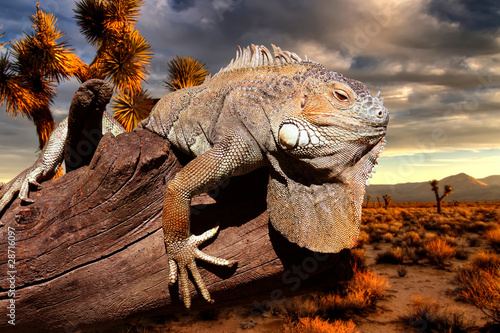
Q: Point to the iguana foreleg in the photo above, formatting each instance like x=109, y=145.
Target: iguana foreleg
x=90, y=100
x=44, y=168
x=231, y=157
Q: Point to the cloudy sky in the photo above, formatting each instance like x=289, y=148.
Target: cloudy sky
x=436, y=62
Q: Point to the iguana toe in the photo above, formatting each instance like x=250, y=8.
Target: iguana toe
x=182, y=258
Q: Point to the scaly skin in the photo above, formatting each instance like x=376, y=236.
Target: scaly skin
x=319, y=132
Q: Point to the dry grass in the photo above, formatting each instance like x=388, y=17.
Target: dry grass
x=392, y=256
x=481, y=288
x=486, y=261
x=365, y=289
x=358, y=259
x=439, y=251
x=479, y=281
x=359, y=294
x=429, y=316
x=493, y=237
x=412, y=238
x=318, y=325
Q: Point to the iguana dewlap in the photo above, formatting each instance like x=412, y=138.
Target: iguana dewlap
x=319, y=132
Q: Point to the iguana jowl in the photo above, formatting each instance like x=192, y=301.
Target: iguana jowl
x=318, y=131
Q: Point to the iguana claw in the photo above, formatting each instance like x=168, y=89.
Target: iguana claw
x=20, y=185
x=183, y=254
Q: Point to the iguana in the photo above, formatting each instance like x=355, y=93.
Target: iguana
x=319, y=132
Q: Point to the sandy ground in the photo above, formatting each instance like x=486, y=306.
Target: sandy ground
x=424, y=280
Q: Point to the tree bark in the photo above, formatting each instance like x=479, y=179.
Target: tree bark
x=90, y=253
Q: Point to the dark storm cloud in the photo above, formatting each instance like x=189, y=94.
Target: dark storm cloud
x=181, y=4
x=364, y=63
x=470, y=14
x=437, y=62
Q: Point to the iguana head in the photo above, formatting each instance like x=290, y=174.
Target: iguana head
x=331, y=123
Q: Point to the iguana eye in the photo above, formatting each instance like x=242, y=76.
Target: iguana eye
x=303, y=101
x=341, y=95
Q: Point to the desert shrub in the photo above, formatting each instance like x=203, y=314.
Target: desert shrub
x=318, y=325
x=429, y=235
x=481, y=288
x=402, y=271
x=412, y=238
x=298, y=307
x=445, y=229
x=377, y=231
x=407, y=215
x=392, y=256
x=336, y=304
x=388, y=237
x=438, y=251
x=493, y=237
x=430, y=316
x=358, y=294
x=395, y=227
x=413, y=253
x=486, y=261
x=367, y=287
x=363, y=238
x=358, y=259
x=361, y=292
x=450, y=239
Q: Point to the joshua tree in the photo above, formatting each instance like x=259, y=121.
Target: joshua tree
x=435, y=188
x=122, y=56
x=387, y=200
x=31, y=69
x=368, y=200
x=378, y=199
x=34, y=65
x=185, y=72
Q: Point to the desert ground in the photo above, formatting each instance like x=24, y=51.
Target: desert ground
x=414, y=271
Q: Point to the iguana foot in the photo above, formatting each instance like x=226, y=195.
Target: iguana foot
x=183, y=254
x=20, y=185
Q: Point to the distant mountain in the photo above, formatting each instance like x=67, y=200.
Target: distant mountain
x=491, y=180
x=465, y=188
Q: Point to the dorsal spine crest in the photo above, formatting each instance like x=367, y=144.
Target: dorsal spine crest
x=259, y=56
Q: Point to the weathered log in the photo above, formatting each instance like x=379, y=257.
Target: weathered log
x=89, y=252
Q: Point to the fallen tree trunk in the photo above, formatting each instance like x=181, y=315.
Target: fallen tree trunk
x=89, y=252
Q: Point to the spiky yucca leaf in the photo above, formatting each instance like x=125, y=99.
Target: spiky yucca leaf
x=1, y=35
x=121, y=13
x=14, y=93
x=125, y=64
x=185, y=72
x=90, y=16
x=40, y=53
x=132, y=107
x=100, y=20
